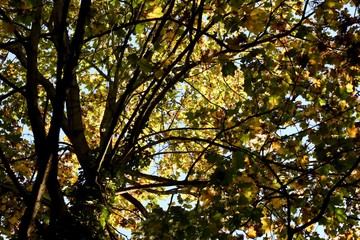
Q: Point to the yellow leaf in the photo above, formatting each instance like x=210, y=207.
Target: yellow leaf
x=352, y=131
x=295, y=185
x=317, y=83
x=19, y=130
x=312, y=61
x=276, y=145
x=333, y=4
x=277, y=202
x=310, y=228
x=7, y=27
x=156, y=13
x=251, y=233
x=266, y=224
x=255, y=20
x=306, y=214
x=273, y=101
x=13, y=220
x=349, y=88
x=281, y=150
x=159, y=73
x=304, y=161
x=206, y=202
x=350, y=235
x=343, y=104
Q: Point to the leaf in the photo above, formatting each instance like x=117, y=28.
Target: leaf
x=213, y=157
x=13, y=220
x=2, y=138
x=217, y=216
x=104, y=216
x=340, y=215
x=352, y=131
x=133, y=59
x=228, y=69
x=277, y=202
x=31, y=2
x=7, y=27
x=238, y=159
x=145, y=65
x=266, y=224
x=273, y=101
x=251, y=233
x=139, y=28
x=304, y=161
x=332, y=3
x=349, y=88
x=276, y=145
x=310, y=228
x=156, y=13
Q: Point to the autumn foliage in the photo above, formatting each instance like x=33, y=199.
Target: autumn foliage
x=206, y=119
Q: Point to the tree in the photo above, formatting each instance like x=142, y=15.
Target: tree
x=242, y=115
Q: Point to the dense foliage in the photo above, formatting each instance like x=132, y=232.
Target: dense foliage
x=194, y=119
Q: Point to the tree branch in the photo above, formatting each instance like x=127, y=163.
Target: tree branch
x=12, y=176
x=12, y=85
x=136, y=203
x=327, y=200
x=164, y=184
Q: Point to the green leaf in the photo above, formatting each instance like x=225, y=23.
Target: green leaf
x=340, y=215
x=238, y=160
x=145, y=66
x=104, y=216
x=133, y=59
x=245, y=137
x=213, y=157
x=228, y=69
x=139, y=28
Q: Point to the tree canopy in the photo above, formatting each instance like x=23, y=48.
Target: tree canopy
x=194, y=119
